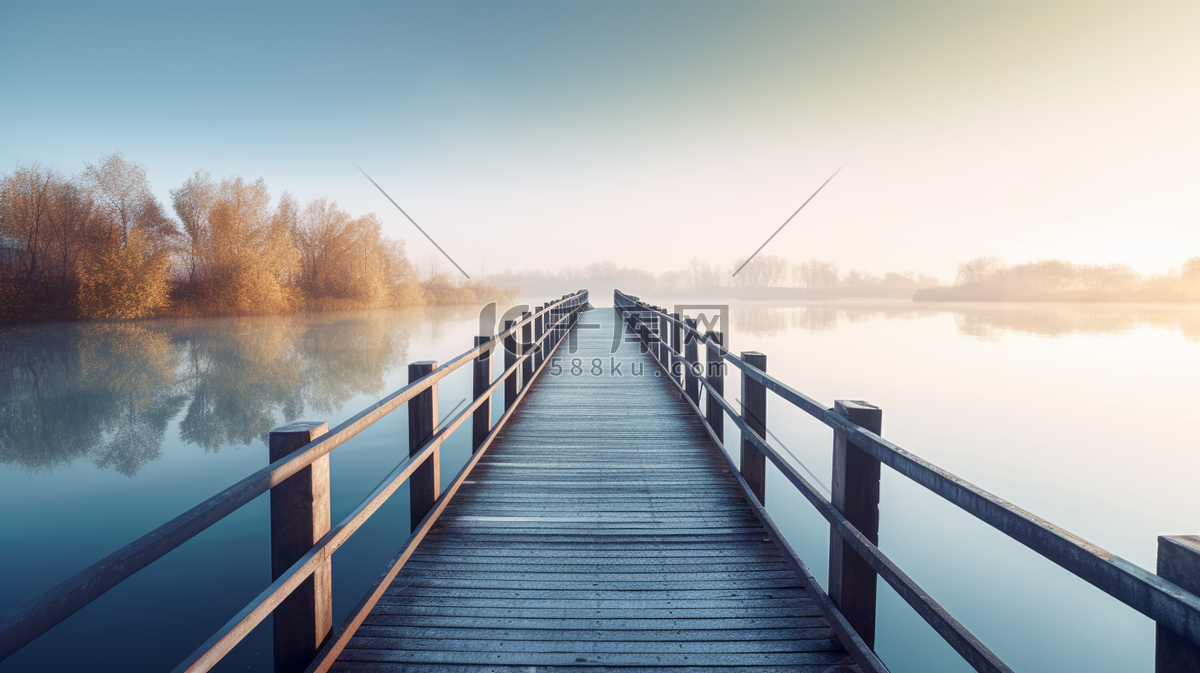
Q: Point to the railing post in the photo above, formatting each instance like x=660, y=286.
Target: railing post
x=754, y=413
x=482, y=421
x=526, y=347
x=643, y=330
x=299, y=518
x=651, y=320
x=664, y=339
x=512, y=381
x=554, y=316
x=656, y=335
x=425, y=482
x=651, y=324
x=1178, y=563
x=855, y=493
x=715, y=375
x=672, y=356
x=692, y=355
x=546, y=311
x=539, y=328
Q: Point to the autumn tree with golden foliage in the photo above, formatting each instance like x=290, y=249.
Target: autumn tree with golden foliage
x=342, y=257
x=124, y=269
x=250, y=258
x=123, y=281
x=101, y=246
x=193, y=202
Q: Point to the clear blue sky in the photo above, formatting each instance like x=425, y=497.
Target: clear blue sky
x=649, y=133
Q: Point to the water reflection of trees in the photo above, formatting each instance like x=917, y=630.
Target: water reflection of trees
x=245, y=376
x=1054, y=320
x=983, y=321
x=107, y=393
x=825, y=317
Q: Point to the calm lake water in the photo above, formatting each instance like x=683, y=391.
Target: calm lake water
x=1070, y=411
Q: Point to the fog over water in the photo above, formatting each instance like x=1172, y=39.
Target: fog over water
x=110, y=429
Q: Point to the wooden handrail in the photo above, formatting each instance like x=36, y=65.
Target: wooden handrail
x=334, y=646
x=237, y=628
x=1166, y=603
x=952, y=631
x=844, y=632
x=39, y=615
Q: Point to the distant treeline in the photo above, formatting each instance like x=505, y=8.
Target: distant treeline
x=814, y=278
x=773, y=277
x=990, y=279
x=99, y=245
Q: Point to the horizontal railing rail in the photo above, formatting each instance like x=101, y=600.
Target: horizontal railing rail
x=1171, y=606
x=334, y=646
x=39, y=615
x=208, y=654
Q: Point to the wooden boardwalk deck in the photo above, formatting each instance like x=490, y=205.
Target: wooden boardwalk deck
x=602, y=529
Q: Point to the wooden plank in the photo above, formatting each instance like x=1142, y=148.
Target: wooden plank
x=672, y=616
x=378, y=667
x=410, y=628
x=663, y=594
x=677, y=658
x=463, y=582
x=646, y=555
x=679, y=564
x=558, y=576
x=599, y=600
x=407, y=642
x=732, y=619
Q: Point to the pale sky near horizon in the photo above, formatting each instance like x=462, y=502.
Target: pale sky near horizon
x=533, y=135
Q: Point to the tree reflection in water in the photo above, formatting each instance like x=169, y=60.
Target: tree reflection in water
x=101, y=391
x=985, y=321
x=108, y=392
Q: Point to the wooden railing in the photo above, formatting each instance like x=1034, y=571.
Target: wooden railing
x=302, y=540
x=1169, y=597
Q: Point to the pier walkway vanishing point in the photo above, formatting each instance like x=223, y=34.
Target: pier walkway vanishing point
x=602, y=527
x=602, y=523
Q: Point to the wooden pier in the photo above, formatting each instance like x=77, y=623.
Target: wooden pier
x=602, y=523
x=601, y=528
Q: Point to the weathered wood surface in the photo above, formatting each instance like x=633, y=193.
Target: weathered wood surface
x=855, y=493
x=600, y=530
